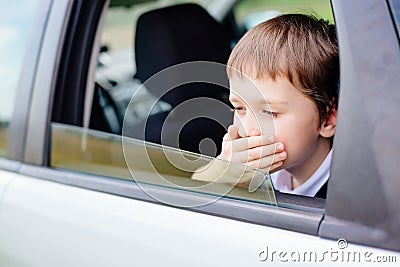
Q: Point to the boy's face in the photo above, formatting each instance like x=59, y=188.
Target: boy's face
x=268, y=107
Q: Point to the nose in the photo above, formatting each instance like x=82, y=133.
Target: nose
x=251, y=125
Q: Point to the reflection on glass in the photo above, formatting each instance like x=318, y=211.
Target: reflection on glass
x=15, y=24
x=3, y=138
x=250, y=12
x=110, y=155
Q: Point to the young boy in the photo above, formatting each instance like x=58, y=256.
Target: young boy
x=283, y=78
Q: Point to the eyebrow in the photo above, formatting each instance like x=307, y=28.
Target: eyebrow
x=233, y=98
x=272, y=102
x=277, y=102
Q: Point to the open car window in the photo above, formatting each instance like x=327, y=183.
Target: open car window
x=142, y=162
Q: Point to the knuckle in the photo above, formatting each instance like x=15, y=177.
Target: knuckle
x=254, y=154
x=253, y=141
x=226, y=150
x=254, y=163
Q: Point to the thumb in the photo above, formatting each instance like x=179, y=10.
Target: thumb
x=233, y=132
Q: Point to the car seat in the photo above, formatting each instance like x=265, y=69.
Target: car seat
x=104, y=115
x=173, y=35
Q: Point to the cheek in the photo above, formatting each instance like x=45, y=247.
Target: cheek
x=299, y=136
x=268, y=126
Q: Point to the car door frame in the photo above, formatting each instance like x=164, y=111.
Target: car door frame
x=363, y=173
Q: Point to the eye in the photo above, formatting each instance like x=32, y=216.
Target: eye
x=239, y=110
x=271, y=113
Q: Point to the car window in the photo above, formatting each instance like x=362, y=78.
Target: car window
x=120, y=131
x=15, y=25
x=110, y=155
x=120, y=103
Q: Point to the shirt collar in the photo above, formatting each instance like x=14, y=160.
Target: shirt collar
x=283, y=183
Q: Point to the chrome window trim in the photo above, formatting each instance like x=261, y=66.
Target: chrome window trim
x=39, y=116
x=9, y=165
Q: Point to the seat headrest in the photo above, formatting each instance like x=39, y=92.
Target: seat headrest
x=178, y=34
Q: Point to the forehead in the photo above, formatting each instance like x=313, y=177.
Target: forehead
x=278, y=91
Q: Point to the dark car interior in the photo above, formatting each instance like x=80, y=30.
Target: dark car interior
x=170, y=36
x=166, y=37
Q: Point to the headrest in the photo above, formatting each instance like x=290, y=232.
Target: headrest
x=178, y=34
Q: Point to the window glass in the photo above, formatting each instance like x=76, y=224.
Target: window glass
x=111, y=155
x=395, y=7
x=99, y=151
x=15, y=25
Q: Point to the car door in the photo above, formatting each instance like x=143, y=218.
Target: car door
x=364, y=171
x=65, y=202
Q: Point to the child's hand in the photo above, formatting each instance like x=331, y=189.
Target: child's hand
x=255, y=151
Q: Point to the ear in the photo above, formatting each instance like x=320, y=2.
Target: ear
x=328, y=128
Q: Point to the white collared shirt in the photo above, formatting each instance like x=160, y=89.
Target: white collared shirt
x=282, y=180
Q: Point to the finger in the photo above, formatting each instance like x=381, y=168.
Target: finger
x=275, y=167
x=246, y=143
x=226, y=137
x=232, y=133
x=259, y=152
x=251, y=142
x=266, y=162
x=271, y=169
